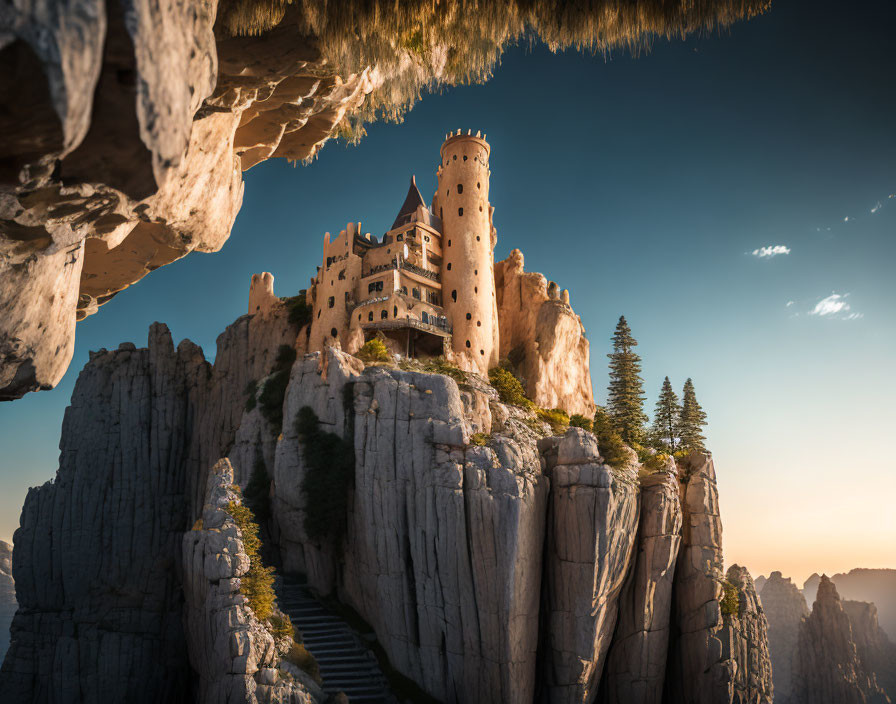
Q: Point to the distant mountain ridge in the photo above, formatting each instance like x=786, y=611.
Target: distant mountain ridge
x=877, y=586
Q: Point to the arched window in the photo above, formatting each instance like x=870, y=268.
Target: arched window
x=384, y=314
x=477, y=238
x=468, y=343
x=482, y=352
x=404, y=290
x=424, y=316
x=455, y=157
x=454, y=295
x=370, y=315
x=460, y=188
x=465, y=157
x=478, y=323
x=469, y=316
x=400, y=237
x=475, y=272
x=475, y=289
x=415, y=292
x=460, y=211
x=478, y=186
x=480, y=208
x=331, y=301
x=449, y=243
x=333, y=332
x=394, y=311
x=449, y=266
x=440, y=212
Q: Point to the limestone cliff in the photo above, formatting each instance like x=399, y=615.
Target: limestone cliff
x=235, y=657
x=827, y=668
x=543, y=338
x=127, y=124
x=523, y=568
x=875, y=650
x=785, y=608
x=877, y=586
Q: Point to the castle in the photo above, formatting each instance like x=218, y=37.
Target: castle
x=430, y=287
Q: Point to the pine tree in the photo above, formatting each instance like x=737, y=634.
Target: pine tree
x=692, y=420
x=666, y=416
x=625, y=400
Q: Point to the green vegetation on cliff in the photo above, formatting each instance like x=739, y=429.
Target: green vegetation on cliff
x=625, y=394
x=329, y=473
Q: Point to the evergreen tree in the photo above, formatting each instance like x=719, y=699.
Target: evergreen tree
x=692, y=420
x=666, y=417
x=625, y=400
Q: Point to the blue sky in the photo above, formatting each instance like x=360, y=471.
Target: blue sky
x=643, y=185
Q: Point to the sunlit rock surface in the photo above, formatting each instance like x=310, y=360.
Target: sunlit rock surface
x=784, y=608
x=234, y=656
x=543, y=338
x=522, y=568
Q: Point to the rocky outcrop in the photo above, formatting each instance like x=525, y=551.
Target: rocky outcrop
x=877, y=586
x=636, y=666
x=592, y=520
x=7, y=594
x=543, y=338
x=96, y=555
x=702, y=662
x=785, y=608
x=233, y=655
x=745, y=642
x=501, y=571
x=827, y=668
x=876, y=651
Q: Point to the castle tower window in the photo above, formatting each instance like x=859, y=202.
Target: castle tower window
x=359, y=317
x=468, y=343
x=333, y=332
x=454, y=295
x=424, y=316
x=394, y=311
x=482, y=352
x=441, y=214
x=449, y=243
x=370, y=315
x=480, y=208
x=415, y=292
x=465, y=157
x=318, y=313
x=469, y=316
x=477, y=238
x=449, y=266
x=342, y=275
x=475, y=289
x=460, y=211
x=460, y=188
x=331, y=301
x=475, y=272
x=404, y=290
x=384, y=314
x=478, y=323
x=478, y=185
x=400, y=237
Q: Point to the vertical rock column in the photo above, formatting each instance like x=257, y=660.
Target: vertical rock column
x=745, y=642
x=592, y=522
x=636, y=665
x=784, y=608
x=233, y=654
x=698, y=673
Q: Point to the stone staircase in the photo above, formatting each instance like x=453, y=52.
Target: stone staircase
x=346, y=665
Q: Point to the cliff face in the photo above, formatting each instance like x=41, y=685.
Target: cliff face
x=543, y=338
x=235, y=657
x=523, y=568
x=875, y=650
x=7, y=594
x=827, y=668
x=785, y=608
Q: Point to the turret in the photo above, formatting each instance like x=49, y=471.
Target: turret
x=468, y=242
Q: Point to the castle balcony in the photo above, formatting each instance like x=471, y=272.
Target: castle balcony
x=415, y=337
x=405, y=265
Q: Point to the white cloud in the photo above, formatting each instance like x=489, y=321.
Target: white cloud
x=771, y=251
x=846, y=219
x=835, y=306
x=875, y=208
x=789, y=303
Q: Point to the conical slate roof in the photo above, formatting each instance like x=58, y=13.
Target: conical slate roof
x=409, y=207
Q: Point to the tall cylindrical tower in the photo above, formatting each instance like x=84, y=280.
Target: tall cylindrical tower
x=468, y=243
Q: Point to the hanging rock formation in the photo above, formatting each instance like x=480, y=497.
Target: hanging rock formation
x=525, y=567
x=827, y=668
x=785, y=608
x=127, y=124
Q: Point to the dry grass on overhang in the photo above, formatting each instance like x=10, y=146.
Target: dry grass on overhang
x=416, y=46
